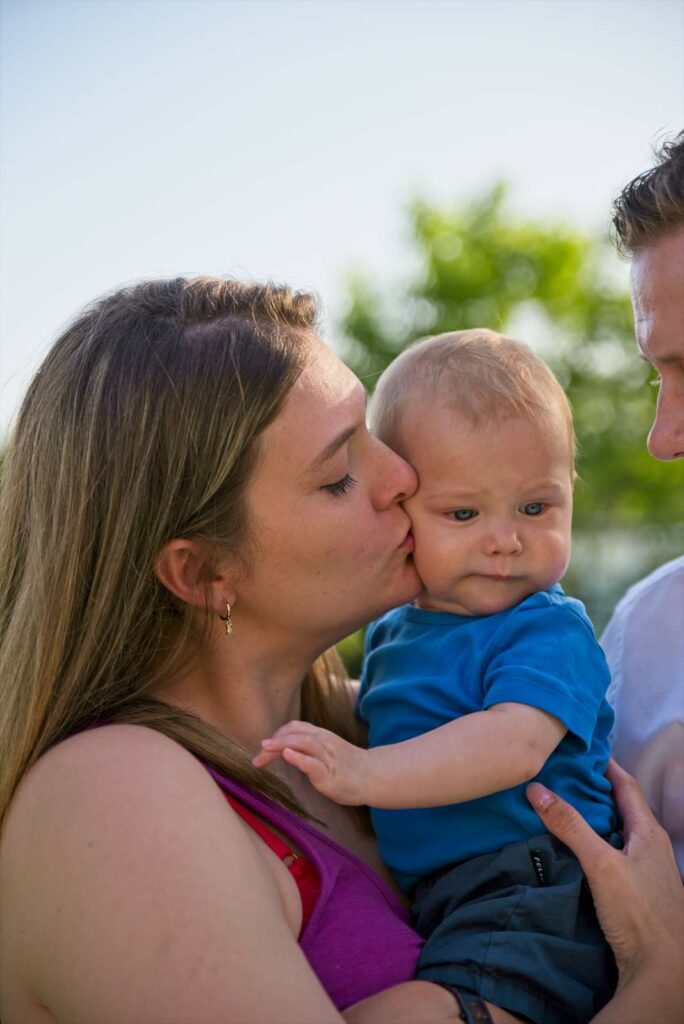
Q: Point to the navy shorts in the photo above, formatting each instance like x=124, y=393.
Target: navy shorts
x=518, y=929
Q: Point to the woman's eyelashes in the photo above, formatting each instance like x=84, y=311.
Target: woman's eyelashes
x=340, y=486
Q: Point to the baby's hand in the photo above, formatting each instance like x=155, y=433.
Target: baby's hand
x=336, y=768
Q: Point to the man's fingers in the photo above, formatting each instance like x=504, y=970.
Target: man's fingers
x=630, y=798
x=673, y=803
x=567, y=825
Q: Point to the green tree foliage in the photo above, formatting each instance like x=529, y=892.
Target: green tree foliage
x=477, y=265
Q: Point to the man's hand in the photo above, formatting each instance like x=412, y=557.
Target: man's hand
x=637, y=891
x=336, y=768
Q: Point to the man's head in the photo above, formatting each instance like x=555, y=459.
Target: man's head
x=649, y=221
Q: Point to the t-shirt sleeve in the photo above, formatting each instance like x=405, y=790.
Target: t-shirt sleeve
x=546, y=656
x=369, y=644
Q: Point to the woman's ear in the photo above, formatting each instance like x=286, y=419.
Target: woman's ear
x=182, y=567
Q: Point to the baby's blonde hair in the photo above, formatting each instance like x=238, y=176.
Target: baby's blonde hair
x=479, y=374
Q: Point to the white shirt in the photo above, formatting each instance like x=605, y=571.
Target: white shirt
x=644, y=644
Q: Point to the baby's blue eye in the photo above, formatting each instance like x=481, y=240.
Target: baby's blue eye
x=463, y=515
x=533, y=508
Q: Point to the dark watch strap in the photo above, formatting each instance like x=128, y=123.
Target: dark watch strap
x=473, y=1009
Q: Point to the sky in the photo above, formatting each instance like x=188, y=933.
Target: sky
x=284, y=138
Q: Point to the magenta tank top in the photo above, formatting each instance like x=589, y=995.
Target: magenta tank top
x=357, y=939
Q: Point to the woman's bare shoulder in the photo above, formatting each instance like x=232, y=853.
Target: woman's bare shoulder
x=121, y=858
x=107, y=755
x=116, y=773
x=113, y=787
x=98, y=767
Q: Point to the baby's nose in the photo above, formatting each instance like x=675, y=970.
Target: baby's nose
x=503, y=539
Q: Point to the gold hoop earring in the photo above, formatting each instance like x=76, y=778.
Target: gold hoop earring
x=227, y=619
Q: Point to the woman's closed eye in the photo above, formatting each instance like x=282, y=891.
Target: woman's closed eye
x=340, y=486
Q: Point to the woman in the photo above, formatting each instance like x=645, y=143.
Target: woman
x=193, y=512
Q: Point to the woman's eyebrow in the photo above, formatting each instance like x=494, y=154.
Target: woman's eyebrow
x=333, y=447
x=341, y=439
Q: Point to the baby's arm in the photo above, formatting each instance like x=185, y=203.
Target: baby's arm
x=470, y=757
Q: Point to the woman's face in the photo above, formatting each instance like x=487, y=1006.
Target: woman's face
x=331, y=547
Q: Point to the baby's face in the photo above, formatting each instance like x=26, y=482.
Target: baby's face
x=492, y=514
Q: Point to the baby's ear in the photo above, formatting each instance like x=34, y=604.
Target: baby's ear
x=185, y=567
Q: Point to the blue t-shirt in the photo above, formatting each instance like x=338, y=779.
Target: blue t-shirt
x=423, y=669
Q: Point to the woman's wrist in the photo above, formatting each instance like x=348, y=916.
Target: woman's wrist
x=471, y=1008
x=407, y=1003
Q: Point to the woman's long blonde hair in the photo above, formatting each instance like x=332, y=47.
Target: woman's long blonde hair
x=141, y=425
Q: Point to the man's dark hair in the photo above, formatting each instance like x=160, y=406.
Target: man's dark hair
x=652, y=205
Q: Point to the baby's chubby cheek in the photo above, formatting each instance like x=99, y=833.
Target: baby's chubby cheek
x=564, y=549
x=415, y=510
x=418, y=534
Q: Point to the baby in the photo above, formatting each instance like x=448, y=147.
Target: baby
x=492, y=678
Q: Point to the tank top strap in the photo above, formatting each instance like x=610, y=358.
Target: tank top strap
x=356, y=934
x=302, y=870
x=273, y=841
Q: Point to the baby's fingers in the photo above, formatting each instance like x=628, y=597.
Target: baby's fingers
x=296, y=727
x=265, y=757
x=272, y=748
x=311, y=766
x=304, y=742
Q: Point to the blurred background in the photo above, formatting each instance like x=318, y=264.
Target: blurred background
x=423, y=165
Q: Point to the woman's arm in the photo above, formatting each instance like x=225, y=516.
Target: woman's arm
x=407, y=1003
x=639, y=901
x=132, y=892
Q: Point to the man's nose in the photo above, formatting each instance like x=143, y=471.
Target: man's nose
x=666, y=439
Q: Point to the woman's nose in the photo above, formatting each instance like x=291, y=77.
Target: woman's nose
x=397, y=480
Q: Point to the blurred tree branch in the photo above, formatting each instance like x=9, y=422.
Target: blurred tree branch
x=478, y=265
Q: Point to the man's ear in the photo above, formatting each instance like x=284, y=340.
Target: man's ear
x=182, y=566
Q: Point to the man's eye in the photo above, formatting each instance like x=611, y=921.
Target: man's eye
x=533, y=508
x=463, y=515
x=340, y=486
